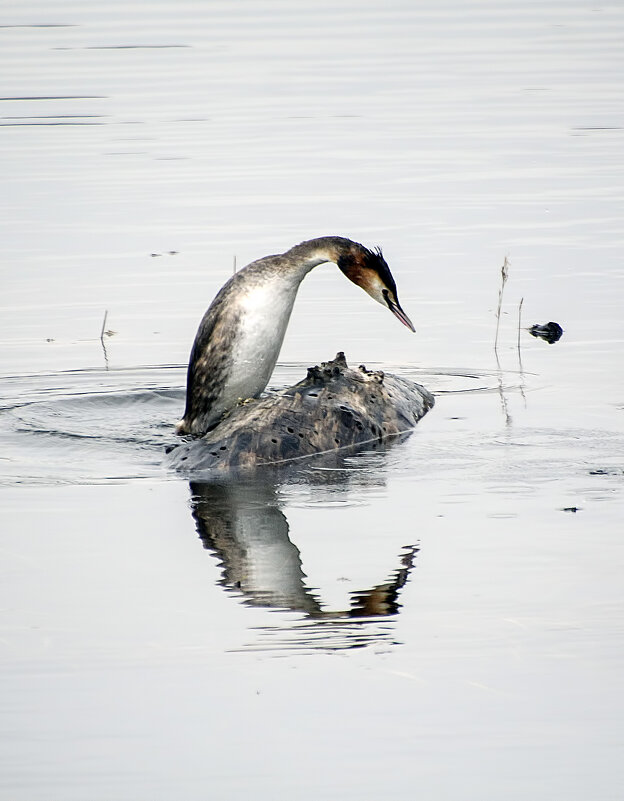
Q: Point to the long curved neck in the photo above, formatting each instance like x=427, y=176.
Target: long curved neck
x=309, y=254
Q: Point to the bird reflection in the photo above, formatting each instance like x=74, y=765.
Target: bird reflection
x=242, y=524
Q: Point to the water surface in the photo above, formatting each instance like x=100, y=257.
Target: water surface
x=441, y=616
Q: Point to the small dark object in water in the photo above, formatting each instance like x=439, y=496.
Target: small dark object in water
x=608, y=472
x=550, y=332
x=333, y=407
x=574, y=509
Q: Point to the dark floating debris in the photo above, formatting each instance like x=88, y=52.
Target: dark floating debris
x=608, y=472
x=574, y=509
x=550, y=332
x=334, y=407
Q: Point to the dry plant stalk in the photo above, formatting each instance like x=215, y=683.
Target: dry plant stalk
x=103, y=331
x=504, y=275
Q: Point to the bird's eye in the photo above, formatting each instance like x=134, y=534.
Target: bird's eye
x=386, y=297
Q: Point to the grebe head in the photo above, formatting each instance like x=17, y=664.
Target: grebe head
x=368, y=269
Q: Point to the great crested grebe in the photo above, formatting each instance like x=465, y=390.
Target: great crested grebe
x=240, y=336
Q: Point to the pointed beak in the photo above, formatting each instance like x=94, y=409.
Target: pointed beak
x=400, y=314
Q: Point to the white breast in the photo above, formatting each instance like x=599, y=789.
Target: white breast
x=265, y=312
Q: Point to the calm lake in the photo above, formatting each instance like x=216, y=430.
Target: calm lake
x=439, y=618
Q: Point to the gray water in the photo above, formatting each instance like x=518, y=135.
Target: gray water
x=440, y=618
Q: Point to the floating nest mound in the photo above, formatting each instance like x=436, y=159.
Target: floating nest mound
x=334, y=407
